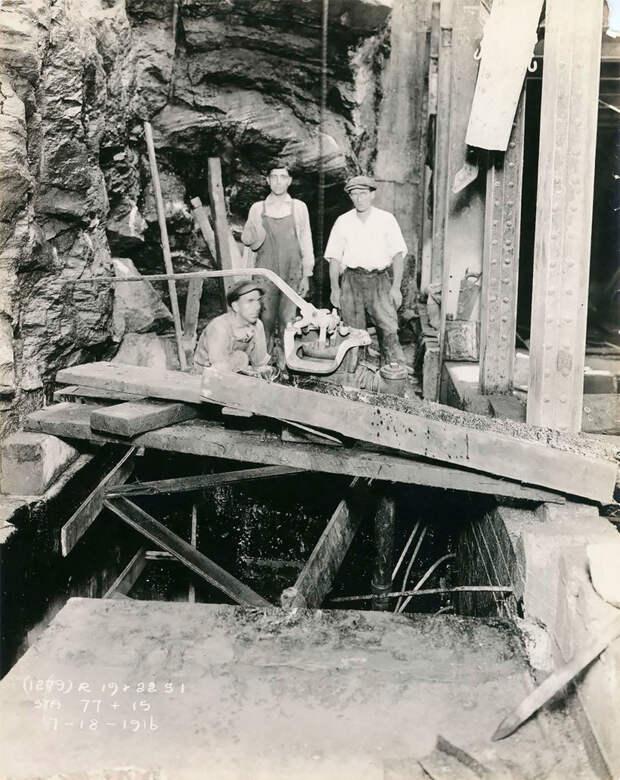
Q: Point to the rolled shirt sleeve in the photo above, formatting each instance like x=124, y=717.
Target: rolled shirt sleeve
x=334, y=251
x=253, y=234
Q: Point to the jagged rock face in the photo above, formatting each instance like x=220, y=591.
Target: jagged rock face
x=240, y=79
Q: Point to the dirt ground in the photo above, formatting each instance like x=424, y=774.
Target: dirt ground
x=194, y=691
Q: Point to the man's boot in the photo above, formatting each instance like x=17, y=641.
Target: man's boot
x=391, y=351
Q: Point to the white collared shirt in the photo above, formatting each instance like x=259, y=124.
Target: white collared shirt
x=370, y=244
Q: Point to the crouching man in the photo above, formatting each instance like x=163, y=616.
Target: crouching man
x=235, y=341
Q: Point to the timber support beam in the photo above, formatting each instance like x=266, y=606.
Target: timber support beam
x=569, y=114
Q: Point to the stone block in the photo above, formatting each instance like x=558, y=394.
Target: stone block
x=148, y=350
x=32, y=461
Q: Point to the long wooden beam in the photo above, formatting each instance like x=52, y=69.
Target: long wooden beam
x=568, y=123
x=128, y=577
x=208, y=439
x=448, y=435
x=165, y=245
x=316, y=578
x=204, y=567
x=478, y=448
x=88, y=511
x=200, y=481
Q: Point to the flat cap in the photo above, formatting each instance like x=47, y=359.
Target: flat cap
x=359, y=183
x=242, y=289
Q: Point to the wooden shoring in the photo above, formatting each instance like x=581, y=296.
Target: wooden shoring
x=128, y=577
x=209, y=439
x=165, y=244
x=564, y=202
x=204, y=567
x=201, y=481
x=88, y=511
x=316, y=578
x=500, y=262
x=134, y=417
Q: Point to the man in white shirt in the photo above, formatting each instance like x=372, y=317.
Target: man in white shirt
x=364, y=244
x=278, y=232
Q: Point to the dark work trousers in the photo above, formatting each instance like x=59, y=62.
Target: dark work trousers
x=367, y=294
x=281, y=253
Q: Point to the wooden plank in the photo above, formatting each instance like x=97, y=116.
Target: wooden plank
x=316, y=578
x=208, y=439
x=564, y=200
x=73, y=392
x=113, y=377
x=464, y=445
x=165, y=245
x=506, y=51
x=152, y=529
x=558, y=680
x=464, y=442
x=218, y=213
x=88, y=511
x=128, y=577
x=192, y=310
x=201, y=481
x=130, y=419
x=202, y=220
x=500, y=263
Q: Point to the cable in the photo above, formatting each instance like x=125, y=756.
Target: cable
x=426, y=576
x=405, y=550
x=413, y=557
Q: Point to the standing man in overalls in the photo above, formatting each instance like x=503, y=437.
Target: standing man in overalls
x=366, y=252
x=278, y=231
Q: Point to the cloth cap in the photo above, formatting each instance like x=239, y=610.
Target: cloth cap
x=360, y=182
x=241, y=289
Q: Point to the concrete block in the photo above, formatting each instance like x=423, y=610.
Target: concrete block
x=32, y=461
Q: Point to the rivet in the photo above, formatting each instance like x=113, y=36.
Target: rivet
x=511, y=165
x=493, y=262
x=504, y=319
x=546, y=400
x=512, y=144
x=505, y=299
x=497, y=203
x=569, y=292
x=509, y=203
x=494, y=242
x=563, y=399
x=506, y=261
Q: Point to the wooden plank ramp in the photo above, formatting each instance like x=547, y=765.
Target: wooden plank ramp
x=209, y=439
x=480, y=448
x=457, y=443
x=204, y=567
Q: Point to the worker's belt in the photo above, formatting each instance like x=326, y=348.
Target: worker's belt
x=364, y=272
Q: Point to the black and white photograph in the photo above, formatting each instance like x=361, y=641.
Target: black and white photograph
x=309, y=389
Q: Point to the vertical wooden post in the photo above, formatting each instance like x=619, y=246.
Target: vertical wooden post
x=442, y=140
x=500, y=262
x=165, y=245
x=218, y=214
x=385, y=519
x=569, y=115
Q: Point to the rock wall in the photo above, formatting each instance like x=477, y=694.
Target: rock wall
x=239, y=79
